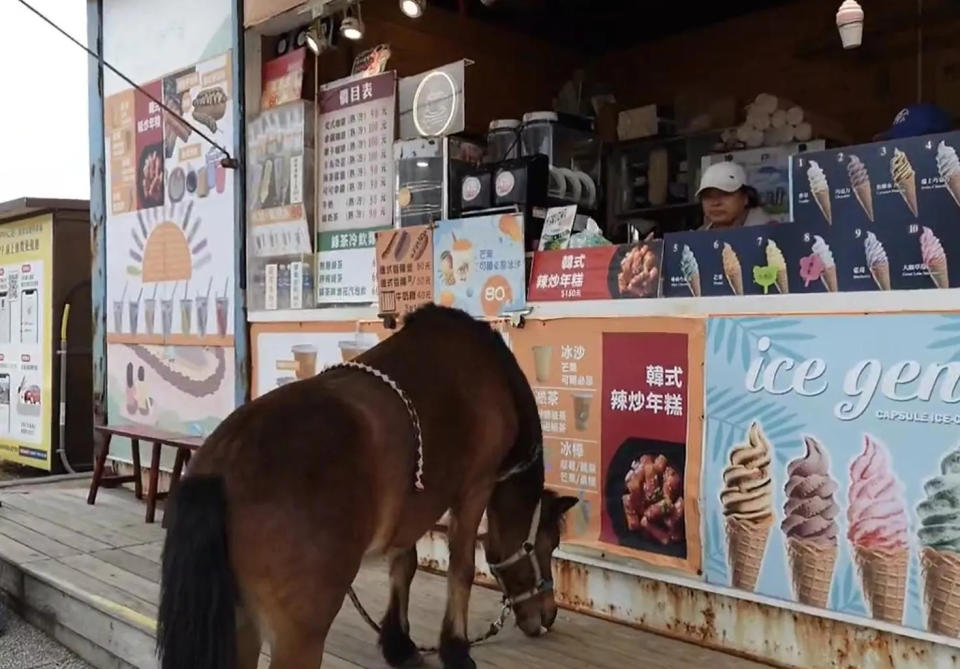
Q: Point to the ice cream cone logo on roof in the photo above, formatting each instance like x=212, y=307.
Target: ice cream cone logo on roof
x=167, y=245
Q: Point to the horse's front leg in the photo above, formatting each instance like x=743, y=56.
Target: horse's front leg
x=462, y=539
x=395, y=643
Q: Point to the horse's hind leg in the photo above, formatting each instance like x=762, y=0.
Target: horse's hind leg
x=395, y=643
x=300, y=639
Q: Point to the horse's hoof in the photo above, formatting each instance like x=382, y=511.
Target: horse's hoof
x=399, y=650
x=455, y=654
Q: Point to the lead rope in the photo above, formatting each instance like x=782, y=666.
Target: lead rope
x=491, y=632
x=498, y=623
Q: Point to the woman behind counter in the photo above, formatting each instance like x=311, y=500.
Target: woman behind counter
x=727, y=200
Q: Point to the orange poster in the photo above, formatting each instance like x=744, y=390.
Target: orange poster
x=405, y=269
x=621, y=408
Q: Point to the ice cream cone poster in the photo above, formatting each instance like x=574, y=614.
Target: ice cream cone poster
x=479, y=264
x=709, y=263
x=835, y=461
x=620, y=407
x=890, y=183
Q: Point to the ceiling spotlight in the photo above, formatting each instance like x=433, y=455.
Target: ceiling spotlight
x=315, y=37
x=352, y=26
x=413, y=8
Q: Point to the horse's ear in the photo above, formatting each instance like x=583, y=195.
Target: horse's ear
x=564, y=504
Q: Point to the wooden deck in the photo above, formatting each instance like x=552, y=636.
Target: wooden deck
x=89, y=576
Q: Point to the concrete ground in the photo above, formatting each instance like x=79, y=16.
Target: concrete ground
x=25, y=647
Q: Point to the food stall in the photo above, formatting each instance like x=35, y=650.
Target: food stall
x=759, y=422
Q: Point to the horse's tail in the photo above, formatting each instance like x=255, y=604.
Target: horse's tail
x=196, y=625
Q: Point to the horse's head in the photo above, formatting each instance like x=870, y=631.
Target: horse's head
x=519, y=548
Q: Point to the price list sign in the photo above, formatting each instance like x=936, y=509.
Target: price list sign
x=355, y=132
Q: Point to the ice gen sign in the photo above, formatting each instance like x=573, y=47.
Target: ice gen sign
x=901, y=381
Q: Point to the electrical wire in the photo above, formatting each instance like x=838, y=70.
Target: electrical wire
x=228, y=162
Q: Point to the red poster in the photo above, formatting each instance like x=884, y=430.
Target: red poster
x=283, y=79
x=148, y=118
x=597, y=273
x=644, y=441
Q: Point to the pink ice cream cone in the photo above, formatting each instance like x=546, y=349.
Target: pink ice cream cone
x=877, y=531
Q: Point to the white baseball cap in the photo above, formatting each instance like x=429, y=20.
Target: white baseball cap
x=727, y=176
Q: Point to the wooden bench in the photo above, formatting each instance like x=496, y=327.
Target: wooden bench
x=184, y=444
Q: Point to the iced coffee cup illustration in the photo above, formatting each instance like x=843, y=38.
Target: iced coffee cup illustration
x=581, y=410
x=305, y=357
x=462, y=259
x=541, y=361
x=350, y=350
x=186, y=315
x=134, y=308
x=166, y=315
x=223, y=309
x=118, y=315
x=150, y=312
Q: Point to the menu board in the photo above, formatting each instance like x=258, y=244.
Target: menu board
x=355, y=135
x=25, y=305
x=405, y=269
x=347, y=267
x=280, y=160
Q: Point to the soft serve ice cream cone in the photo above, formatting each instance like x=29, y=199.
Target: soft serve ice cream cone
x=775, y=259
x=905, y=179
x=860, y=182
x=877, y=261
x=935, y=258
x=810, y=524
x=850, y=24
x=691, y=270
x=948, y=165
x=732, y=269
x=820, y=189
x=877, y=531
x=829, y=277
x=939, y=534
x=747, y=499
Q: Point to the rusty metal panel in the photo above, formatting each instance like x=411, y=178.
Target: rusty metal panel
x=765, y=631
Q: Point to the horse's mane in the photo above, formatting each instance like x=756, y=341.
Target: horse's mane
x=529, y=434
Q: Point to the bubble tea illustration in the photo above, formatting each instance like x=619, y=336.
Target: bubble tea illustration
x=186, y=311
x=134, y=307
x=223, y=309
x=118, y=311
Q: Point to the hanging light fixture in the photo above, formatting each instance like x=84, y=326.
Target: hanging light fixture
x=413, y=8
x=316, y=37
x=352, y=26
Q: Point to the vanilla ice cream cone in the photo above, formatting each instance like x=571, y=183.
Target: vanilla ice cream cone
x=883, y=576
x=823, y=201
x=941, y=591
x=829, y=279
x=811, y=570
x=746, y=545
x=953, y=187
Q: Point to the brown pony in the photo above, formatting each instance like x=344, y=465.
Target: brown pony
x=293, y=490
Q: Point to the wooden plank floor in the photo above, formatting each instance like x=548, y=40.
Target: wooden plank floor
x=90, y=575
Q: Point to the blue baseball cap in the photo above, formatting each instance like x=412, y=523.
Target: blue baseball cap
x=919, y=119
